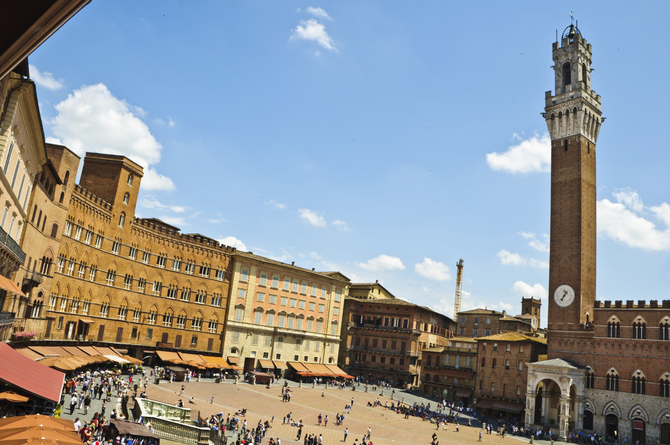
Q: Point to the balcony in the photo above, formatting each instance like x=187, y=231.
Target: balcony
x=384, y=351
x=12, y=246
x=6, y=318
x=32, y=279
x=379, y=327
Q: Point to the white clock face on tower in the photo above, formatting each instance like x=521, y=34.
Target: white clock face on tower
x=564, y=295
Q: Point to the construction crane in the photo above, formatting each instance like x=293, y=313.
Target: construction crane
x=459, y=288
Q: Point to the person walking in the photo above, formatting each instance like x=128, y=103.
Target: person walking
x=346, y=433
x=73, y=402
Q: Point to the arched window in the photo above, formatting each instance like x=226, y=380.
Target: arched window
x=639, y=330
x=614, y=328
x=429, y=360
x=612, y=380
x=126, y=198
x=567, y=70
x=62, y=197
x=665, y=329
x=590, y=379
x=130, y=179
x=436, y=378
x=584, y=74
x=664, y=386
x=428, y=377
x=638, y=383
x=67, y=178
x=54, y=230
x=122, y=219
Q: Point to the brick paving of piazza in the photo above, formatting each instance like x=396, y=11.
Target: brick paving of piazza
x=306, y=404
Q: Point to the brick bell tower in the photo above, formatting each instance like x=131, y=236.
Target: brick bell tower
x=573, y=118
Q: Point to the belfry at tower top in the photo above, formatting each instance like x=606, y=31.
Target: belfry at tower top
x=574, y=108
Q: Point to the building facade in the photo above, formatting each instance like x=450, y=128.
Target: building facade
x=502, y=371
x=26, y=175
x=134, y=283
x=383, y=338
x=449, y=372
x=484, y=322
x=42, y=236
x=609, y=364
x=281, y=313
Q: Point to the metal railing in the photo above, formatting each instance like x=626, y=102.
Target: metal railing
x=373, y=325
x=385, y=351
x=12, y=246
x=6, y=318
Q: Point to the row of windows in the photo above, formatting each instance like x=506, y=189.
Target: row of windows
x=457, y=359
x=445, y=379
x=638, y=383
x=204, y=270
x=290, y=285
x=388, y=322
x=494, y=363
x=382, y=359
x=639, y=330
x=173, y=291
x=286, y=320
x=74, y=306
x=296, y=357
x=293, y=302
x=385, y=344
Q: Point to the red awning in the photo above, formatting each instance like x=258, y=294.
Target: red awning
x=8, y=285
x=31, y=376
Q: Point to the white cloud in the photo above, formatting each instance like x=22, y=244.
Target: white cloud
x=530, y=155
x=152, y=203
x=621, y=224
x=45, y=79
x=312, y=218
x=341, y=224
x=233, y=242
x=311, y=30
x=315, y=256
x=318, y=12
x=160, y=121
x=446, y=307
x=535, y=243
x=629, y=198
x=284, y=257
x=92, y=119
x=174, y=220
x=425, y=289
x=526, y=290
x=539, y=264
x=53, y=140
x=514, y=259
x=511, y=259
x=502, y=306
x=433, y=270
x=275, y=204
x=153, y=180
x=383, y=262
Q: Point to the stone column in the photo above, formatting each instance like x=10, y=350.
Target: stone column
x=530, y=410
x=579, y=413
x=546, y=408
x=563, y=418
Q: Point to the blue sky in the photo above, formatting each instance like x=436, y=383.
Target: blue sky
x=382, y=139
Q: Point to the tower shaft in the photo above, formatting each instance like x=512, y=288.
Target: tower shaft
x=459, y=288
x=573, y=119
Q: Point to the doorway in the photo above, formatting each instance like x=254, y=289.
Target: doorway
x=611, y=426
x=639, y=431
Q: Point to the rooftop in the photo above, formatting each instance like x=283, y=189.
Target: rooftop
x=513, y=336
